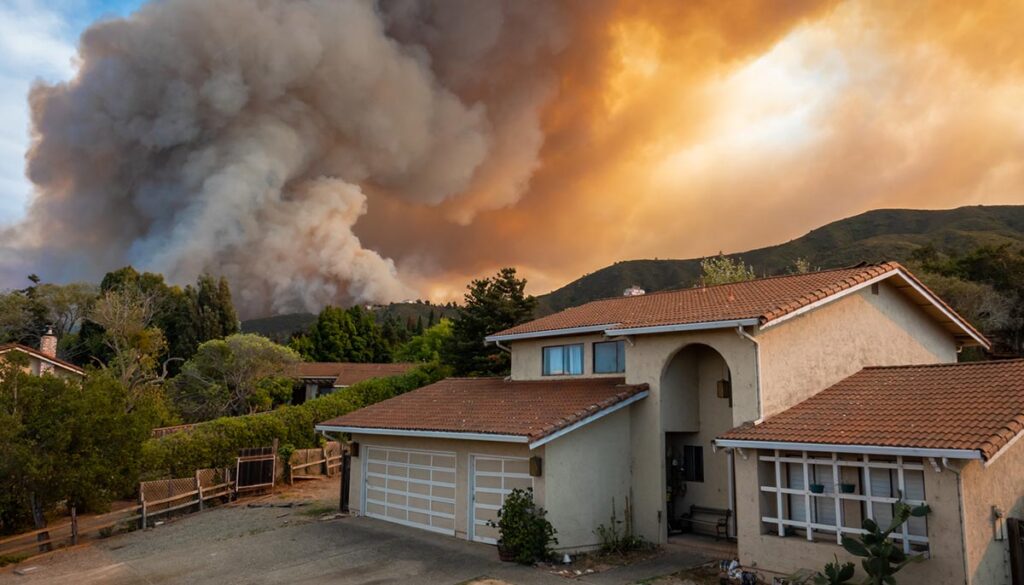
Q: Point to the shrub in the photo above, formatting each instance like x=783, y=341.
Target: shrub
x=524, y=530
x=216, y=443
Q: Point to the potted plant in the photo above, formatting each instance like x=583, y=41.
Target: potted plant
x=524, y=534
x=817, y=488
x=847, y=488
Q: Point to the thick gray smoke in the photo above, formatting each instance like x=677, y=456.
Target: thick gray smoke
x=247, y=137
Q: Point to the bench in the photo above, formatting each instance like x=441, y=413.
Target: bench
x=715, y=518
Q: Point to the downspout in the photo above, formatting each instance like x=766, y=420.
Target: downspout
x=503, y=347
x=757, y=369
x=960, y=510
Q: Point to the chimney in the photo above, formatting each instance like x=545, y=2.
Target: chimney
x=48, y=343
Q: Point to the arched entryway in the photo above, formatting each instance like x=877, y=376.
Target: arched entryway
x=696, y=406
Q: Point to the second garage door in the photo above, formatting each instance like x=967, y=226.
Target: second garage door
x=493, y=478
x=415, y=488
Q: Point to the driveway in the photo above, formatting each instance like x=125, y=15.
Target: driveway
x=275, y=544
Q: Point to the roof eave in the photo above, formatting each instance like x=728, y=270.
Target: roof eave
x=844, y=448
x=701, y=326
x=464, y=436
x=541, y=441
x=549, y=333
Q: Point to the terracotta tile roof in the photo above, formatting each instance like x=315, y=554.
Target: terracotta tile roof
x=765, y=299
x=975, y=406
x=346, y=373
x=5, y=347
x=532, y=409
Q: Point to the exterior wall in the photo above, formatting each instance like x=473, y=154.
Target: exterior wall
x=806, y=354
x=585, y=471
x=1000, y=485
x=646, y=361
x=37, y=367
x=769, y=552
x=462, y=450
x=528, y=359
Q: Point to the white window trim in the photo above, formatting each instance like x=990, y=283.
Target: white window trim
x=866, y=464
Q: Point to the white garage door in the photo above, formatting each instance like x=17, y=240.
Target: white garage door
x=493, y=478
x=415, y=488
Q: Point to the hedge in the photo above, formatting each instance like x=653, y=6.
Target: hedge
x=216, y=443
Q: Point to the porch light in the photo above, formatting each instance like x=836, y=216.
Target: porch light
x=536, y=465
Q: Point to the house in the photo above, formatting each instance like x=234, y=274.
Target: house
x=741, y=400
x=43, y=360
x=321, y=378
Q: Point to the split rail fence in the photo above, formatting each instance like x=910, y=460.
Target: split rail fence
x=315, y=463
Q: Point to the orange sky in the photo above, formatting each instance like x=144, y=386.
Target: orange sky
x=682, y=129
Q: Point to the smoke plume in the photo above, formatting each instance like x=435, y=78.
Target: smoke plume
x=334, y=151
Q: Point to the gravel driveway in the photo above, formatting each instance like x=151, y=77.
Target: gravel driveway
x=273, y=544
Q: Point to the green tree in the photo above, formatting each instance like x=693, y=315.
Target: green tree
x=344, y=335
x=65, y=442
x=428, y=346
x=723, y=270
x=491, y=305
x=240, y=374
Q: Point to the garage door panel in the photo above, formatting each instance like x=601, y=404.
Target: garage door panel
x=403, y=488
x=443, y=461
x=493, y=479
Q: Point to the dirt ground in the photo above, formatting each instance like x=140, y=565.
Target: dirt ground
x=297, y=536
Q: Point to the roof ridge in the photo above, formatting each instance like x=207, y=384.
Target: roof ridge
x=944, y=365
x=891, y=263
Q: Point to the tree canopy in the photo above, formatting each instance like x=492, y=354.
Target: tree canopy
x=343, y=335
x=723, y=270
x=427, y=346
x=240, y=374
x=491, y=305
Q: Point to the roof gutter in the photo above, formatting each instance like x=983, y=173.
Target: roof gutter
x=548, y=333
x=731, y=323
x=424, y=434
x=859, y=449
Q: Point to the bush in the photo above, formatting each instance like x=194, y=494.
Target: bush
x=216, y=443
x=524, y=530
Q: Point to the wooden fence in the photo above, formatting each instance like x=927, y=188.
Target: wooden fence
x=167, y=495
x=67, y=533
x=315, y=463
x=164, y=431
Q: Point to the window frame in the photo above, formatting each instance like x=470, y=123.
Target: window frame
x=620, y=356
x=565, y=359
x=692, y=455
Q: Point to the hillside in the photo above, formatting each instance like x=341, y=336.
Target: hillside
x=884, y=234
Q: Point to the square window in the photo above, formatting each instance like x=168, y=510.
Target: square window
x=609, y=357
x=562, y=360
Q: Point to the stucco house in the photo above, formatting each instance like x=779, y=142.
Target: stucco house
x=746, y=399
x=43, y=360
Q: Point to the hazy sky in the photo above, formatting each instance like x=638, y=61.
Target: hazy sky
x=621, y=130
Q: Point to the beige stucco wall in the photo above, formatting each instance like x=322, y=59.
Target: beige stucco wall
x=645, y=363
x=805, y=354
x=528, y=356
x=771, y=553
x=1001, y=485
x=585, y=471
x=462, y=450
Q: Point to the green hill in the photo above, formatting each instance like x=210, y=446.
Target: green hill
x=883, y=234
x=281, y=327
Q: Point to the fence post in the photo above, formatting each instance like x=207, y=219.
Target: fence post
x=199, y=490
x=346, y=466
x=143, y=518
x=273, y=466
x=74, y=526
x=327, y=465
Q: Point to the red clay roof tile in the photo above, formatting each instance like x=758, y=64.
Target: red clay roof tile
x=346, y=374
x=765, y=299
x=973, y=406
x=532, y=409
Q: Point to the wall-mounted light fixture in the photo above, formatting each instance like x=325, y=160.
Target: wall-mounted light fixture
x=536, y=466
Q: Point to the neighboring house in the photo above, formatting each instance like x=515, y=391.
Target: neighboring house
x=734, y=397
x=321, y=378
x=43, y=360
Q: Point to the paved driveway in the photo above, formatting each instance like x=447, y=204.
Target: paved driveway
x=238, y=544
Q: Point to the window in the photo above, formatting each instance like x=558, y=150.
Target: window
x=609, y=357
x=561, y=360
x=693, y=463
x=826, y=495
